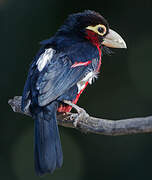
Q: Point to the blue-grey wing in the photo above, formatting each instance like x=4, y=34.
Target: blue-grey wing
x=26, y=95
x=57, y=77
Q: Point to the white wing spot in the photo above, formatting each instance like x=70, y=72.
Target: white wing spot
x=45, y=58
x=88, y=78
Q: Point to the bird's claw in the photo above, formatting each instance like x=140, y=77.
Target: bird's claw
x=81, y=112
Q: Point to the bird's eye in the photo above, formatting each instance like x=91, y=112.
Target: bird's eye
x=101, y=30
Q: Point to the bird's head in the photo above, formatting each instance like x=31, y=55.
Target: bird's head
x=91, y=26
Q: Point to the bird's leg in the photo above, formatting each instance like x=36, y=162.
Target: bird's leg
x=78, y=109
x=81, y=112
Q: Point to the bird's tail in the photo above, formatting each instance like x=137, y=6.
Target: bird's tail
x=47, y=150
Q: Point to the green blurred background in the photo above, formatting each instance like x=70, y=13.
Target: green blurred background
x=123, y=90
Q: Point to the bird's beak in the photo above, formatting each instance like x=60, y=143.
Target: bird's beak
x=114, y=40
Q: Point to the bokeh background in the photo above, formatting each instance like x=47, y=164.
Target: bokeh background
x=123, y=90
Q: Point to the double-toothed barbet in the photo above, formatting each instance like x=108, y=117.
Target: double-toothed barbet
x=64, y=66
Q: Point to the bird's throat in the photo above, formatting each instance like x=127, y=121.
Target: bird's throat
x=99, y=64
x=94, y=38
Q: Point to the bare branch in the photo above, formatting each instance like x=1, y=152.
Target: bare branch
x=83, y=122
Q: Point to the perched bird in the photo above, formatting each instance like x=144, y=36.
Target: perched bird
x=65, y=64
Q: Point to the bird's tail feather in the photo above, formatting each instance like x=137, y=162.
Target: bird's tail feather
x=47, y=151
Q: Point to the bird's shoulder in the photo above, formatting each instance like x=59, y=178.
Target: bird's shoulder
x=73, y=47
x=82, y=52
x=50, y=56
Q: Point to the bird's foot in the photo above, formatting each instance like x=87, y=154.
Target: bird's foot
x=81, y=112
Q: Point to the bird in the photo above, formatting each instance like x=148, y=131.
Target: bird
x=63, y=67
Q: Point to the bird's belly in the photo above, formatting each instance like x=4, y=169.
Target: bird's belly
x=80, y=90
x=66, y=108
x=81, y=85
x=90, y=76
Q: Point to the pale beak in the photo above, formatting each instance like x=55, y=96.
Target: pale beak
x=114, y=40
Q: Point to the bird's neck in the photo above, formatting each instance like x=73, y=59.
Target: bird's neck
x=65, y=41
x=91, y=43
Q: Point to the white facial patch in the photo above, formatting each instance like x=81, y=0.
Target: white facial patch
x=45, y=58
x=88, y=78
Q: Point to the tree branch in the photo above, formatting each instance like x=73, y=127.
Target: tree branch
x=83, y=122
